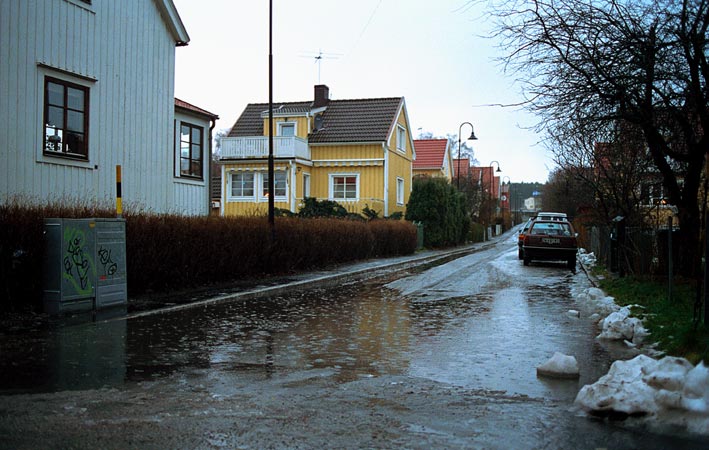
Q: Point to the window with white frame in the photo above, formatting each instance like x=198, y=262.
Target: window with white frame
x=306, y=185
x=279, y=185
x=399, y=191
x=401, y=138
x=286, y=129
x=245, y=186
x=344, y=186
x=242, y=185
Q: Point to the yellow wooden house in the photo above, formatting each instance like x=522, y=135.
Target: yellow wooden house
x=355, y=152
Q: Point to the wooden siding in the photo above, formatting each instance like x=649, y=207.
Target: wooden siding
x=129, y=52
x=371, y=186
x=346, y=152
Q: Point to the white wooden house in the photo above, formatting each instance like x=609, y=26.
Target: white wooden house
x=87, y=85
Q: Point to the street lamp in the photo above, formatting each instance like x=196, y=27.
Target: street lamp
x=492, y=177
x=505, y=199
x=492, y=189
x=471, y=138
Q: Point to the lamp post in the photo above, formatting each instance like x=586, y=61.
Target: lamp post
x=471, y=138
x=505, y=197
x=492, y=187
x=271, y=178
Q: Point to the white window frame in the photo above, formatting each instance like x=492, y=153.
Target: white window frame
x=306, y=184
x=331, y=187
x=399, y=191
x=241, y=198
x=400, y=138
x=281, y=126
x=262, y=187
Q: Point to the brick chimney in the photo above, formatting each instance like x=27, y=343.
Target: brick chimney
x=322, y=95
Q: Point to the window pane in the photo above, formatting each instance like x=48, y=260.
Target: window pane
x=184, y=166
x=55, y=94
x=280, y=187
x=75, y=143
x=55, y=117
x=196, y=151
x=184, y=133
x=184, y=150
x=196, y=168
x=53, y=139
x=75, y=99
x=196, y=135
x=75, y=121
x=288, y=130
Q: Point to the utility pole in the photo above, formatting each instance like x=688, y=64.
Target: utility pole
x=271, y=177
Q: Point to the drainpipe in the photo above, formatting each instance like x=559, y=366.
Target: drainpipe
x=293, y=177
x=386, y=180
x=209, y=169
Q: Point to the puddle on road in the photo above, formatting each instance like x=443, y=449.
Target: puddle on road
x=487, y=340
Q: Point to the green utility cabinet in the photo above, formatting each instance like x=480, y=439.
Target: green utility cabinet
x=85, y=265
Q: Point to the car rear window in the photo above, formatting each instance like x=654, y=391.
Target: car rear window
x=551, y=228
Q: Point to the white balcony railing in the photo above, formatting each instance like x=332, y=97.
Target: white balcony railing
x=257, y=147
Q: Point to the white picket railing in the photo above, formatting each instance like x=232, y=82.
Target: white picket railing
x=257, y=147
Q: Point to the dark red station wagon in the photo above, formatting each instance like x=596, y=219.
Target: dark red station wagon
x=550, y=240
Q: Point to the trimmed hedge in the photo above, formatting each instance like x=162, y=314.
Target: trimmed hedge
x=167, y=252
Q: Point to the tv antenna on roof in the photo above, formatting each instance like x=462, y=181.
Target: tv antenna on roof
x=318, y=57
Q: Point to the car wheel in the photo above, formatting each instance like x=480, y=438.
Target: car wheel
x=527, y=261
x=520, y=254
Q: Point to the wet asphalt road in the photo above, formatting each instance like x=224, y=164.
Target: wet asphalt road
x=441, y=356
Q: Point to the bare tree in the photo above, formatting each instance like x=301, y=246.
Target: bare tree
x=589, y=65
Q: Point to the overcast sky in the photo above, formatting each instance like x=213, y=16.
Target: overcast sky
x=432, y=52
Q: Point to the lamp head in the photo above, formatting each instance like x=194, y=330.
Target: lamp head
x=472, y=136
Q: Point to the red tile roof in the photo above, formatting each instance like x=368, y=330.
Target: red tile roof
x=430, y=153
x=464, y=166
x=195, y=109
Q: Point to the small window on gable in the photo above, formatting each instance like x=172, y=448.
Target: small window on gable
x=401, y=138
x=66, y=119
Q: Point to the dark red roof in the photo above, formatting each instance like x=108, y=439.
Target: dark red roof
x=430, y=153
x=363, y=120
x=464, y=166
x=195, y=109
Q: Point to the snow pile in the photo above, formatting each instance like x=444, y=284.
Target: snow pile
x=620, y=326
x=586, y=259
x=598, y=300
x=559, y=366
x=669, y=390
